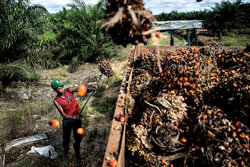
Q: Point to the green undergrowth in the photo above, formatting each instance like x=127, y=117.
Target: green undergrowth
x=233, y=41
x=165, y=40
x=123, y=53
x=24, y=115
x=150, y=41
x=22, y=121
x=106, y=106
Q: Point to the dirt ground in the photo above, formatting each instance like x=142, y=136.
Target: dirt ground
x=26, y=109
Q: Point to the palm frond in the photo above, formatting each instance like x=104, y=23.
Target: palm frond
x=82, y=35
x=17, y=72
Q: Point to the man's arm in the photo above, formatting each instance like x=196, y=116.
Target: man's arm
x=90, y=87
x=60, y=110
x=73, y=89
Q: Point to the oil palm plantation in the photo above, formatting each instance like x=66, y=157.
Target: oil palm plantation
x=20, y=27
x=82, y=38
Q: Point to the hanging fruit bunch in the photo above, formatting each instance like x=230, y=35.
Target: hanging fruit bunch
x=128, y=21
x=105, y=68
x=191, y=108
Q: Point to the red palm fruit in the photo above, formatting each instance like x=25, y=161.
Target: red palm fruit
x=158, y=35
x=242, y=135
x=80, y=131
x=235, y=84
x=122, y=118
x=209, y=112
x=205, y=116
x=113, y=163
x=82, y=90
x=54, y=123
x=237, y=123
x=197, y=64
x=184, y=140
x=232, y=127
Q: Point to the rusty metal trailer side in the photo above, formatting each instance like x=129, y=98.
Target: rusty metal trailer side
x=116, y=142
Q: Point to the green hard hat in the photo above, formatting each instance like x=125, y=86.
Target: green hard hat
x=56, y=83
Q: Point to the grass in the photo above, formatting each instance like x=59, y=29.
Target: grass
x=17, y=117
x=108, y=81
x=233, y=41
x=80, y=102
x=106, y=106
x=231, y=34
x=232, y=38
x=165, y=40
x=22, y=120
x=100, y=104
x=60, y=73
x=123, y=53
x=150, y=41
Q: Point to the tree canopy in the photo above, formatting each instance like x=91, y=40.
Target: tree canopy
x=225, y=16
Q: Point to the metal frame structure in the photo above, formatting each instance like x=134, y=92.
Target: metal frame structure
x=179, y=25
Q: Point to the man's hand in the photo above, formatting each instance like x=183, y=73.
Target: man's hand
x=76, y=117
x=67, y=117
x=92, y=87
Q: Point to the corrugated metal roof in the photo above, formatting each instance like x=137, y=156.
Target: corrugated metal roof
x=177, y=24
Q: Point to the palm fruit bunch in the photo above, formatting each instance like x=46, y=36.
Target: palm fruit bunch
x=191, y=108
x=128, y=21
x=105, y=68
x=140, y=80
x=156, y=130
x=231, y=84
x=224, y=142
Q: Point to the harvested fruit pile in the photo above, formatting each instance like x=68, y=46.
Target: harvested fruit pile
x=191, y=108
x=128, y=21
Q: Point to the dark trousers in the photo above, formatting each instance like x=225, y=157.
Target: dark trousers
x=68, y=124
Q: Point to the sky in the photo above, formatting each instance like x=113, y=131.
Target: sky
x=155, y=6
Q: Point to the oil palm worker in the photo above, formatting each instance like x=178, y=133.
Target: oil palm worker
x=67, y=106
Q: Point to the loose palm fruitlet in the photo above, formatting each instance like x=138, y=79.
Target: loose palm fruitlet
x=128, y=21
x=106, y=68
x=191, y=108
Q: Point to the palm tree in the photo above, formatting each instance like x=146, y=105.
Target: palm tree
x=224, y=16
x=82, y=38
x=20, y=26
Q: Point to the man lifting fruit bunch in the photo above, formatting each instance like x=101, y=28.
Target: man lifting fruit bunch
x=67, y=106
